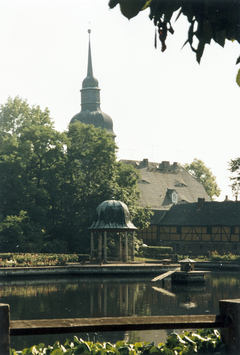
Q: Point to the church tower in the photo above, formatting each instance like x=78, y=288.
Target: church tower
x=91, y=112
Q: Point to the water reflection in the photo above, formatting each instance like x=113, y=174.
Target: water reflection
x=112, y=297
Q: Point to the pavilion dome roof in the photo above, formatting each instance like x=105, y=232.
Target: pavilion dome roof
x=112, y=215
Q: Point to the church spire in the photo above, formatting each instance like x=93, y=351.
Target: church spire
x=91, y=112
x=89, y=71
x=90, y=81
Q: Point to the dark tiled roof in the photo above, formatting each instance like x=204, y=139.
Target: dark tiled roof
x=157, y=216
x=96, y=118
x=112, y=215
x=158, y=179
x=226, y=213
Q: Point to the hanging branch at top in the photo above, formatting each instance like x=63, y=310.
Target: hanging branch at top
x=216, y=20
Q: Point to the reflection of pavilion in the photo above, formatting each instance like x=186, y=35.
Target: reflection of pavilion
x=125, y=301
x=112, y=217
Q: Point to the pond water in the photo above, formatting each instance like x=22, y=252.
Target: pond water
x=81, y=297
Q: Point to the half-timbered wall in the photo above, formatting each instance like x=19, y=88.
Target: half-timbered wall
x=193, y=238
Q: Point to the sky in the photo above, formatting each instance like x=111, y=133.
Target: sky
x=164, y=106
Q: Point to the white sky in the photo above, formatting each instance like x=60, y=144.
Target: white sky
x=164, y=106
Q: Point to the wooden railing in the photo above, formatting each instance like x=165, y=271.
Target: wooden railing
x=82, y=325
x=228, y=321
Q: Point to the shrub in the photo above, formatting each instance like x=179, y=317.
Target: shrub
x=214, y=256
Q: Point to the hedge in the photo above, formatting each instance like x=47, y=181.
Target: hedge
x=155, y=252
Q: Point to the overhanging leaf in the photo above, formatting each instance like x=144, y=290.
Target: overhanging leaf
x=130, y=8
x=238, y=77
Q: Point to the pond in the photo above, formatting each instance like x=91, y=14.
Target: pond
x=81, y=297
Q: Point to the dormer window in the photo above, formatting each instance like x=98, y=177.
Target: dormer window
x=173, y=195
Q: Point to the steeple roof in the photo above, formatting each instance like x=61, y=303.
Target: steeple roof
x=90, y=81
x=91, y=112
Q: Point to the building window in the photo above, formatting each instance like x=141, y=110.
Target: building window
x=178, y=230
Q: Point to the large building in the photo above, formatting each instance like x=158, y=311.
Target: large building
x=163, y=185
x=184, y=217
x=198, y=228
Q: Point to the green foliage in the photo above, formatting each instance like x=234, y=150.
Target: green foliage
x=31, y=260
x=155, y=252
x=234, y=168
x=12, y=232
x=214, y=256
x=204, y=340
x=31, y=155
x=51, y=182
x=238, y=77
x=208, y=20
x=204, y=175
x=113, y=245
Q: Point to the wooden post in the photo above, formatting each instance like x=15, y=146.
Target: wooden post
x=4, y=329
x=231, y=333
x=126, y=246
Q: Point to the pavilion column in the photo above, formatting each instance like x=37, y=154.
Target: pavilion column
x=132, y=246
x=105, y=300
x=105, y=246
x=120, y=246
x=92, y=246
x=126, y=246
x=100, y=247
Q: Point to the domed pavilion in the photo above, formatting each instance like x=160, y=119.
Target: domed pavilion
x=112, y=217
x=91, y=112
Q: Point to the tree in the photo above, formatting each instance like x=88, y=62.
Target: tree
x=31, y=154
x=51, y=182
x=234, y=167
x=204, y=175
x=209, y=19
x=97, y=176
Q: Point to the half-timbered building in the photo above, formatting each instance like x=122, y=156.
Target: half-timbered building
x=197, y=228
